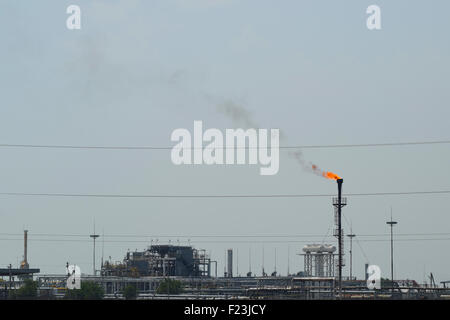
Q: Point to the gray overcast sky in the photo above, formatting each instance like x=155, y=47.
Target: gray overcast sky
x=137, y=70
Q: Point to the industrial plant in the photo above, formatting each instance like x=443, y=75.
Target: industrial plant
x=196, y=273
x=161, y=261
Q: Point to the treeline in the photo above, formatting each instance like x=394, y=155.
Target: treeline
x=92, y=291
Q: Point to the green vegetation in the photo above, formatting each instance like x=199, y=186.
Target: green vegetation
x=27, y=291
x=170, y=286
x=89, y=291
x=130, y=292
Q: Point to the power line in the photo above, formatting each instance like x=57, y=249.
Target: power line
x=357, y=240
x=93, y=195
x=221, y=241
x=361, y=248
x=164, y=236
x=100, y=147
x=147, y=236
x=372, y=144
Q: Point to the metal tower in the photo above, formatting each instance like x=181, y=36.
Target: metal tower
x=338, y=203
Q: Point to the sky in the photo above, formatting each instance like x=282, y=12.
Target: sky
x=137, y=70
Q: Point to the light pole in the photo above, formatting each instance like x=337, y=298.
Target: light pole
x=392, y=224
x=351, y=236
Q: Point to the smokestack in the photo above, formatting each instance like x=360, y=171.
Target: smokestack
x=339, y=183
x=230, y=263
x=366, y=266
x=24, y=264
x=25, y=245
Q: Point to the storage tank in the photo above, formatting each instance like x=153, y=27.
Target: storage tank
x=318, y=248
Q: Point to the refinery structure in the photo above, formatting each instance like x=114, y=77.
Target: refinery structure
x=161, y=261
x=196, y=272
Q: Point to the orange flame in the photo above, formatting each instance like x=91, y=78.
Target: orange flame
x=330, y=175
x=314, y=168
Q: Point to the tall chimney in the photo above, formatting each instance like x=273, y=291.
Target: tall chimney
x=338, y=203
x=230, y=263
x=339, y=183
x=366, y=266
x=25, y=245
x=24, y=264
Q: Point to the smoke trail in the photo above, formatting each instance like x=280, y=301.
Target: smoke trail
x=241, y=116
x=237, y=112
x=311, y=167
x=307, y=166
